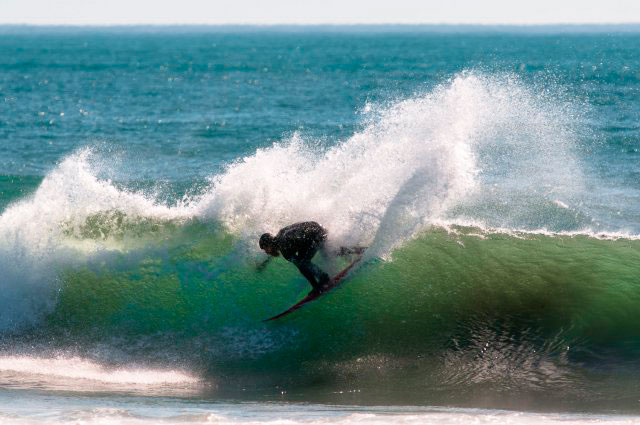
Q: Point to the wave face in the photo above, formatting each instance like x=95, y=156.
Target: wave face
x=492, y=267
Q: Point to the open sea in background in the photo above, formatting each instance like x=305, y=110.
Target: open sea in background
x=493, y=172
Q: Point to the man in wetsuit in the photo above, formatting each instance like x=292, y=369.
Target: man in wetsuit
x=298, y=243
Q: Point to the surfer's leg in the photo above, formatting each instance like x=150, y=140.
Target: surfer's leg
x=322, y=277
x=316, y=277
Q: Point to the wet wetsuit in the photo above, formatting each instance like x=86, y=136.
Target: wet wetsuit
x=298, y=243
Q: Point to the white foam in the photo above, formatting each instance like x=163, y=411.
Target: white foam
x=481, y=230
x=76, y=368
x=314, y=415
x=445, y=418
x=474, y=140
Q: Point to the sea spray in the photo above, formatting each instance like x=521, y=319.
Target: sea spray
x=463, y=150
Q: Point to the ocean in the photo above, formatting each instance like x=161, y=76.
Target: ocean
x=493, y=174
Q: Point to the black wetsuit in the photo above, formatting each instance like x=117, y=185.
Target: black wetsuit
x=298, y=243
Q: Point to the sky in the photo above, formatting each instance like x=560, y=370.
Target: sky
x=110, y=12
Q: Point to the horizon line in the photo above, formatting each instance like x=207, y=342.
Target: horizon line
x=314, y=24
x=354, y=28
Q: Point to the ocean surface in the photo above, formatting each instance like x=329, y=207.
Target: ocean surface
x=494, y=176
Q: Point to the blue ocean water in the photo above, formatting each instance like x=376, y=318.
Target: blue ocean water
x=493, y=174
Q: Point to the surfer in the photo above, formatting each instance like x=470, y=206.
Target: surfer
x=298, y=243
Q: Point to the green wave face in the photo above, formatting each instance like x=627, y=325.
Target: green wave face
x=456, y=315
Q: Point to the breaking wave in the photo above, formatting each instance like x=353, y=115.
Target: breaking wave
x=488, y=256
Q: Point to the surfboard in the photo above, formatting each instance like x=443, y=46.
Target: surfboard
x=335, y=281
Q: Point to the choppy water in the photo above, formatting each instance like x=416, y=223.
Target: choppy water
x=494, y=176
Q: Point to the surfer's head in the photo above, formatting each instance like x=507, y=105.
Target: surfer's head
x=267, y=243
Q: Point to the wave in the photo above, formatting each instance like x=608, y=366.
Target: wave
x=489, y=260
x=479, y=147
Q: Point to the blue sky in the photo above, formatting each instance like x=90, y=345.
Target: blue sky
x=105, y=12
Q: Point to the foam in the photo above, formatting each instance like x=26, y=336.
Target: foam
x=319, y=415
x=444, y=418
x=473, y=141
x=482, y=230
x=76, y=368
